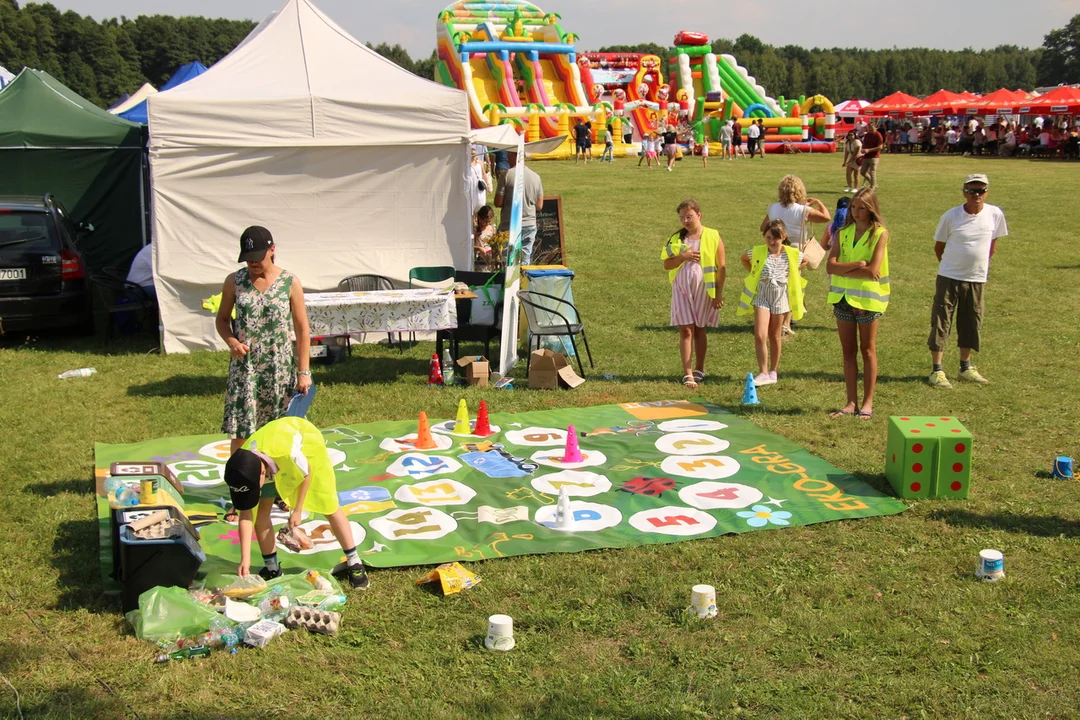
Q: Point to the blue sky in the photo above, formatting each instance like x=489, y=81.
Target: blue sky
x=908, y=23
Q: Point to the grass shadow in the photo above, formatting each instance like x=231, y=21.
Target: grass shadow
x=78, y=701
x=68, y=340
x=181, y=386
x=75, y=558
x=720, y=330
x=1036, y=525
x=877, y=481
x=50, y=489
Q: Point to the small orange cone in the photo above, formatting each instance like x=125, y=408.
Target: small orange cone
x=483, y=424
x=424, y=441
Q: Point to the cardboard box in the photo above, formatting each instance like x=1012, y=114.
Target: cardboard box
x=549, y=370
x=475, y=369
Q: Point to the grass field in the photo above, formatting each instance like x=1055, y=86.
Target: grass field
x=873, y=618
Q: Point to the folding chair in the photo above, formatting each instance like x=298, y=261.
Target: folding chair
x=534, y=306
x=365, y=283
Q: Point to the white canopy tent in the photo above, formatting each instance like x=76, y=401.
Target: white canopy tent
x=354, y=164
x=141, y=94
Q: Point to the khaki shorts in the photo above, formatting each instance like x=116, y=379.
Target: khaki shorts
x=965, y=301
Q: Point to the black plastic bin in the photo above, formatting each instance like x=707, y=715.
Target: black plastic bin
x=165, y=562
x=119, y=517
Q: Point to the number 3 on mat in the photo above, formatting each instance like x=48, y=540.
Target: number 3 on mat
x=709, y=467
x=435, y=492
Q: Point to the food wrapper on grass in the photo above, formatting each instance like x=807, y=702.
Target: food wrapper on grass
x=245, y=587
x=452, y=577
x=295, y=585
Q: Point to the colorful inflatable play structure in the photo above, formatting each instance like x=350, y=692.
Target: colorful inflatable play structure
x=710, y=89
x=519, y=66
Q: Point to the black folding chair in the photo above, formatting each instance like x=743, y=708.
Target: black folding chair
x=365, y=283
x=534, y=306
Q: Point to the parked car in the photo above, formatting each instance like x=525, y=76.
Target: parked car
x=43, y=280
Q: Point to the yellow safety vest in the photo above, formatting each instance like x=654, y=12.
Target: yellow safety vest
x=710, y=243
x=795, y=283
x=862, y=293
x=292, y=440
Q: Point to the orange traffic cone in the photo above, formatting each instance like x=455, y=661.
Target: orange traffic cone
x=424, y=441
x=483, y=425
x=435, y=373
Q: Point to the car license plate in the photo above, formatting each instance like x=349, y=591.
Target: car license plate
x=317, y=351
x=12, y=273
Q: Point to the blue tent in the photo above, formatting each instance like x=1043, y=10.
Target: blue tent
x=186, y=72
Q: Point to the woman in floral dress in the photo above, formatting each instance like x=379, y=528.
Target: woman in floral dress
x=263, y=374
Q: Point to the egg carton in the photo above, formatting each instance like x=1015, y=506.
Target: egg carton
x=315, y=620
x=165, y=529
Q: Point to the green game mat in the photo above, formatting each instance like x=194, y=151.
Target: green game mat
x=652, y=472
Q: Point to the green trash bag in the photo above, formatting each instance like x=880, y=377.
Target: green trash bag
x=170, y=613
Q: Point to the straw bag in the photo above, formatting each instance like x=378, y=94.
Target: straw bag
x=812, y=251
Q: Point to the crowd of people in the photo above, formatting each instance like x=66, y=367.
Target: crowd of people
x=975, y=137
x=854, y=248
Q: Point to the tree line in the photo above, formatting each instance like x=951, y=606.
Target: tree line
x=103, y=60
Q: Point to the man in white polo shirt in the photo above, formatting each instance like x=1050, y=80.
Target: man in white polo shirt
x=965, y=241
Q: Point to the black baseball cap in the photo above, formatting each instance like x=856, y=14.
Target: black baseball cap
x=242, y=474
x=254, y=242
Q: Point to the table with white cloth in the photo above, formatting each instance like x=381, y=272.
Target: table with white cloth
x=389, y=311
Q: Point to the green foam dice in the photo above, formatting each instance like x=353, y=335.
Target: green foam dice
x=928, y=457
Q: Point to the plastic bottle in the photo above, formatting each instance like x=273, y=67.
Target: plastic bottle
x=274, y=604
x=316, y=579
x=447, y=367
x=81, y=372
x=332, y=603
x=128, y=496
x=185, y=653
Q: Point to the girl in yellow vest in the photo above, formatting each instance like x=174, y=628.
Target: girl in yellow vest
x=694, y=259
x=287, y=457
x=773, y=288
x=859, y=293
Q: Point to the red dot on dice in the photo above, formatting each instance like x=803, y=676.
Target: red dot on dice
x=916, y=448
x=944, y=419
x=917, y=467
x=916, y=487
x=960, y=447
x=955, y=431
x=905, y=418
x=894, y=457
x=956, y=486
x=916, y=431
x=930, y=425
x=957, y=467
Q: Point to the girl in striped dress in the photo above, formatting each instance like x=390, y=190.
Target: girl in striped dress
x=694, y=259
x=773, y=297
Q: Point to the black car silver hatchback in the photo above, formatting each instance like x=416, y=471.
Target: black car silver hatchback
x=43, y=281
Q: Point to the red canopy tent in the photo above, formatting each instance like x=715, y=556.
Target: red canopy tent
x=940, y=103
x=1063, y=100
x=1000, y=102
x=893, y=105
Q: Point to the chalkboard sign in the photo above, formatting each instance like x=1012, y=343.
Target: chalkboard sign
x=550, y=245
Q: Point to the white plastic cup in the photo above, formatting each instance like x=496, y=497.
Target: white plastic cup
x=991, y=565
x=500, y=633
x=703, y=601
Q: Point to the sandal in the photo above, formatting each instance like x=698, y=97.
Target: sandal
x=699, y=376
x=863, y=415
x=281, y=505
x=689, y=382
x=841, y=413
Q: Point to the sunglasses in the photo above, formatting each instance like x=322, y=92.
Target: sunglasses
x=974, y=191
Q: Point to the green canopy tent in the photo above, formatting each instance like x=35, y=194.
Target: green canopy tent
x=54, y=141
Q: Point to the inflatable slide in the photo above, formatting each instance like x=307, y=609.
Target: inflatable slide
x=712, y=89
x=518, y=66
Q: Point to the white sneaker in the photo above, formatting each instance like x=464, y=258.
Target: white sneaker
x=764, y=378
x=847, y=189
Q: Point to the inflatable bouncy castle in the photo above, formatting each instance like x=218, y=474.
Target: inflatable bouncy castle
x=518, y=66
x=710, y=89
